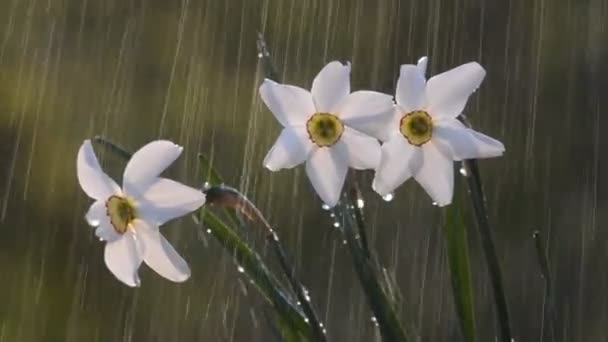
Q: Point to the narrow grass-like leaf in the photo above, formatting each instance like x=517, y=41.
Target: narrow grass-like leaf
x=257, y=271
x=384, y=311
x=487, y=244
x=460, y=270
x=549, y=300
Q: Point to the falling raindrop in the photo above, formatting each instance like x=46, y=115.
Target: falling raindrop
x=336, y=224
x=208, y=231
x=240, y=269
x=388, y=197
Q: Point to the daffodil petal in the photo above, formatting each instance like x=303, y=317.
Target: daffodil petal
x=448, y=92
x=123, y=258
x=326, y=168
x=166, y=199
x=362, y=150
x=291, y=149
x=411, y=89
x=436, y=175
x=398, y=162
x=159, y=255
x=464, y=143
x=147, y=164
x=93, y=181
x=422, y=63
x=291, y=105
x=331, y=86
x=368, y=112
x=96, y=213
x=105, y=232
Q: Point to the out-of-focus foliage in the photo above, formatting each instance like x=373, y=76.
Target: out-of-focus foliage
x=187, y=70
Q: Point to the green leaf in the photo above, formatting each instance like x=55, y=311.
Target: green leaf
x=210, y=175
x=257, y=271
x=383, y=309
x=460, y=270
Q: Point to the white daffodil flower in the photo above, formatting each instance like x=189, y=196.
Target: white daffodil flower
x=128, y=219
x=425, y=137
x=329, y=128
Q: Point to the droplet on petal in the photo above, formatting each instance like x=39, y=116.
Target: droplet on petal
x=388, y=197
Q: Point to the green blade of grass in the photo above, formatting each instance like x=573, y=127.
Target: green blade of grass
x=384, y=312
x=257, y=271
x=460, y=271
x=489, y=250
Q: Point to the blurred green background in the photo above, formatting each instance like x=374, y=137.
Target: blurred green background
x=137, y=70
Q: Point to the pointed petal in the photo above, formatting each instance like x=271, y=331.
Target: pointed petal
x=123, y=258
x=363, y=151
x=368, y=112
x=160, y=255
x=290, y=105
x=96, y=213
x=464, y=143
x=166, y=200
x=105, y=232
x=436, y=175
x=331, y=86
x=93, y=181
x=291, y=148
x=147, y=164
x=398, y=162
x=447, y=93
x=422, y=63
x=326, y=170
x=410, y=93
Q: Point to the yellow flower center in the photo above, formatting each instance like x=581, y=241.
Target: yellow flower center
x=417, y=127
x=122, y=213
x=324, y=129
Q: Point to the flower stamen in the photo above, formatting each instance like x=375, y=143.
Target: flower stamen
x=324, y=129
x=122, y=213
x=417, y=127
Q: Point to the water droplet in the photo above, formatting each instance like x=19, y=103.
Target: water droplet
x=434, y=203
x=240, y=269
x=325, y=206
x=208, y=231
x=299, y=304
x=306, y=320
x=320, y=324
x=260, y=55
x=206, y=186
x=332, y=215
x=360, y=203
x=101, y=239
x=463, y=171
x=388, y=197
x=344, y=242
x=93, y=222
x=336, y=224
x=373, y=319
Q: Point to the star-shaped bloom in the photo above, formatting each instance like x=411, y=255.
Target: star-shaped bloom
x=329, y=128
x=128, y=218
x=425, y=136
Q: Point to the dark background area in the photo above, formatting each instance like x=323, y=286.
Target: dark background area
x=188, y=71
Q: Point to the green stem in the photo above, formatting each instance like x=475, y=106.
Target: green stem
x=543, y=263
x=487, y=244
x=385, y=315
